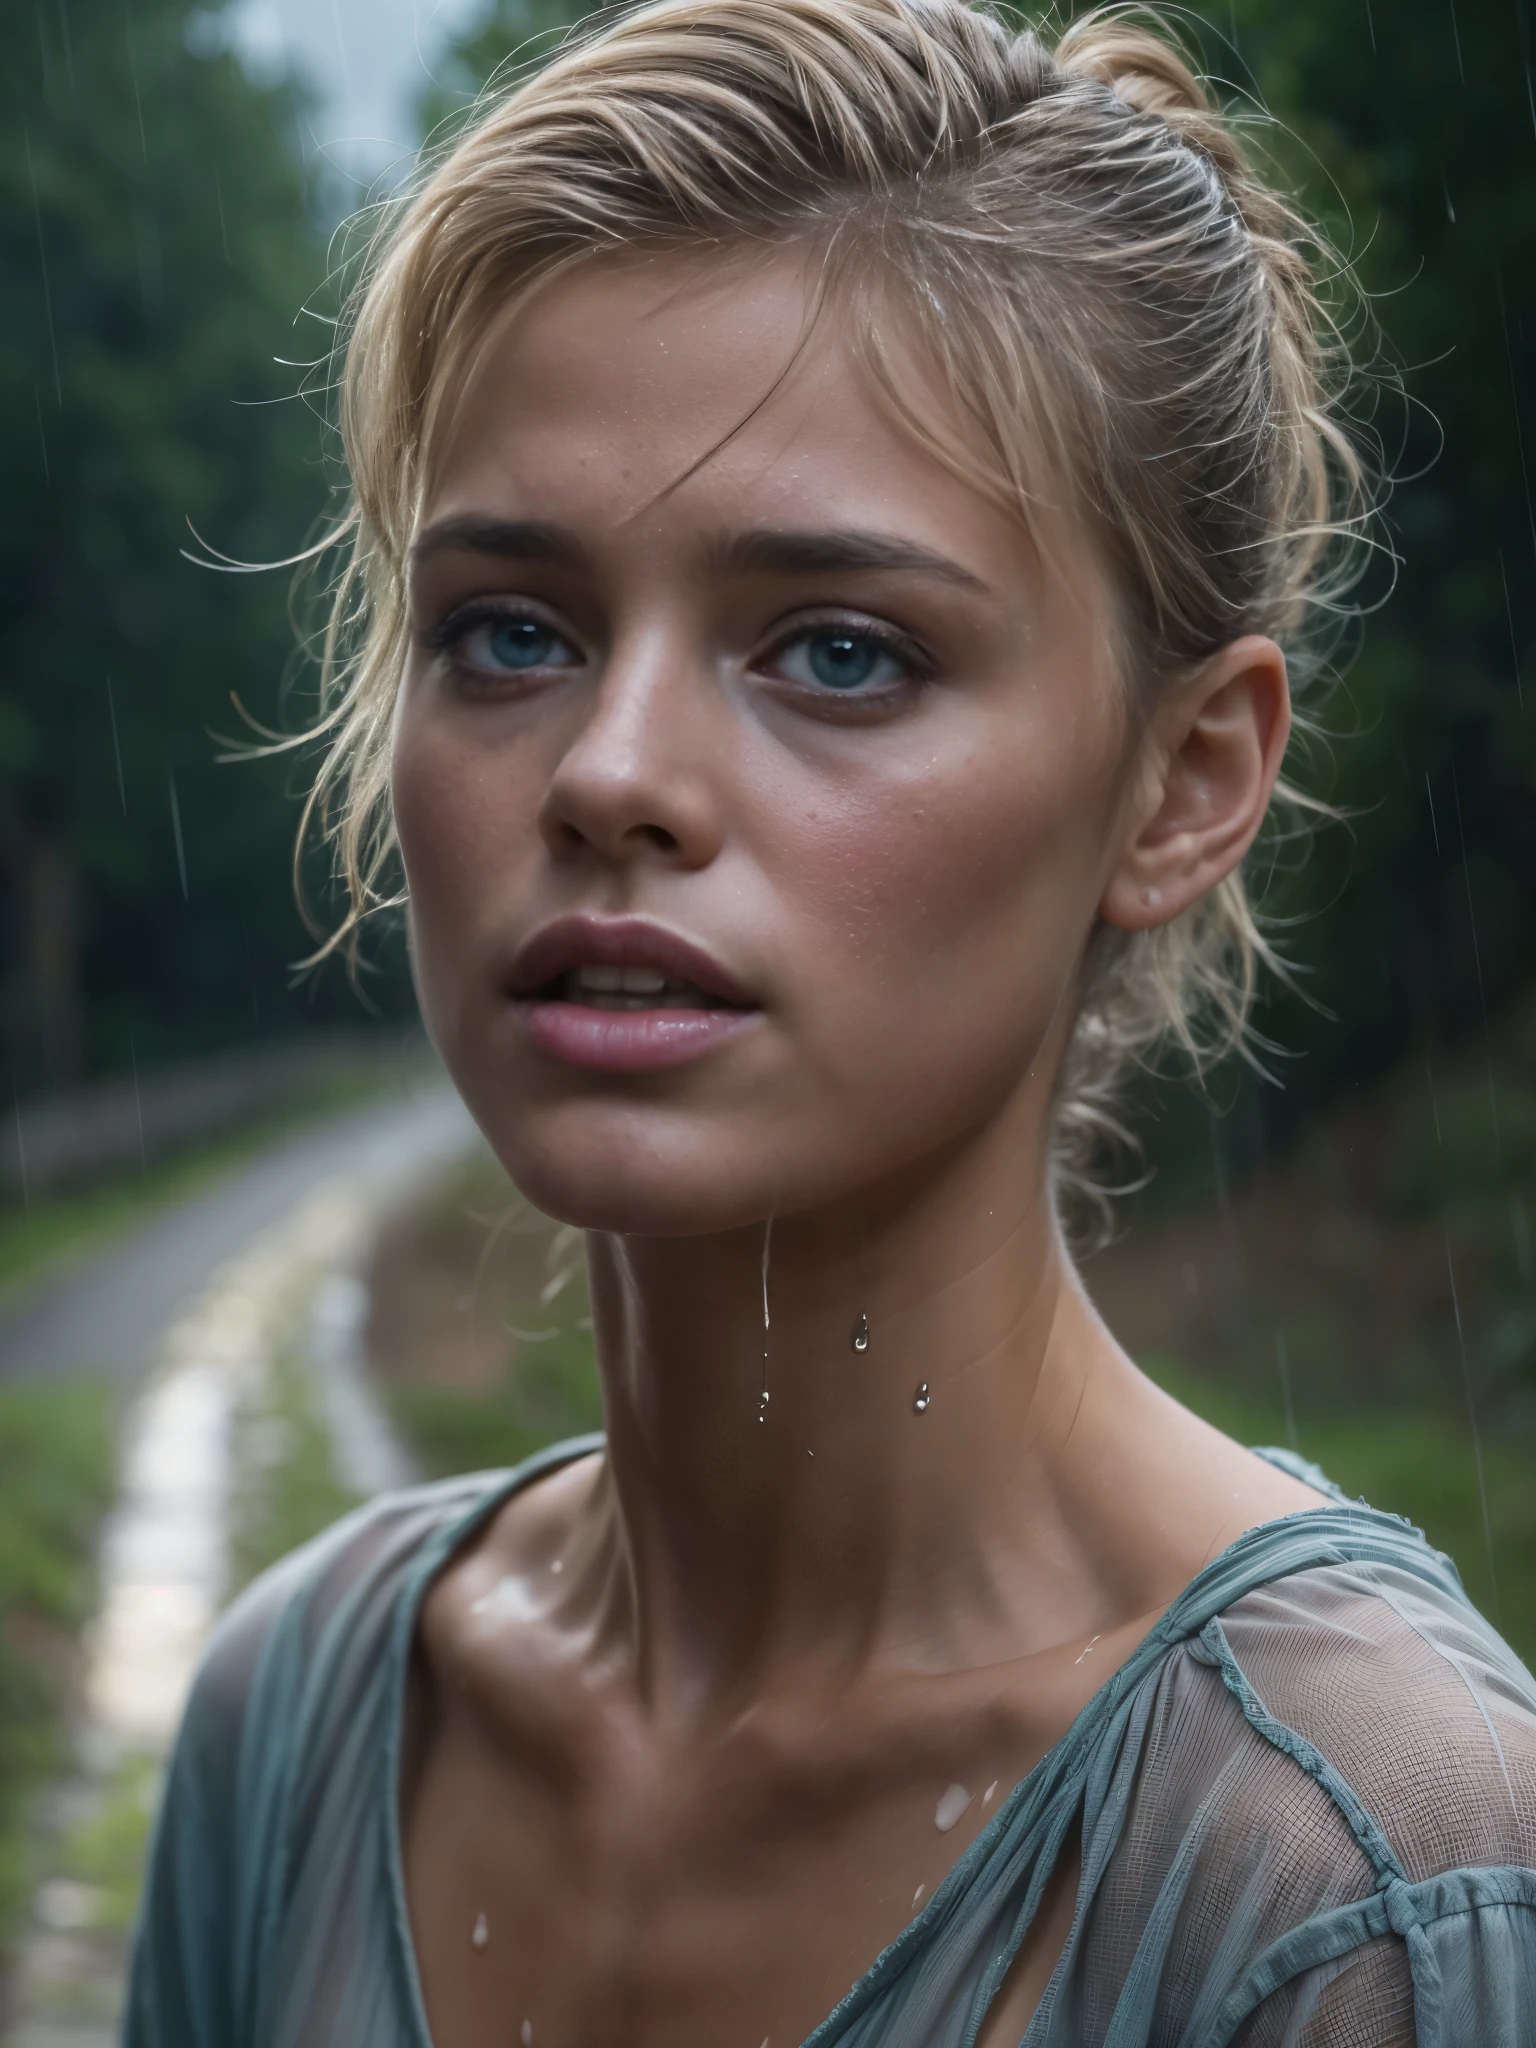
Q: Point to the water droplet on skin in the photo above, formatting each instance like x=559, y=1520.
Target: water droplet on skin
x=986, y=1797
x=1083, y=1653
x=921, y=1399
x=918, y=1893
x=762, y=1405
x=860, y=1338
x=482, y=1933
x=527, y=2034
x=557, y=1564
x=952, y=1803
x=510, y=1599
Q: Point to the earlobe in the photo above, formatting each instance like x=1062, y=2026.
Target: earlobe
x=1214, y=752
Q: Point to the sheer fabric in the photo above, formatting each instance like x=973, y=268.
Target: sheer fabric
x=1307, y=1807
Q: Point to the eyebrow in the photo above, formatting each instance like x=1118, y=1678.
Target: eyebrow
x=476, y=533
x=763, y=551
x=797, y=553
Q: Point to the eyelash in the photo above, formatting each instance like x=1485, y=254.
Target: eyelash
x=916, y=664
x=449, y=633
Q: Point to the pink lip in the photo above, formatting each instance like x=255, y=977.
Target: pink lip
x=622, y=1041
x=626, y=1041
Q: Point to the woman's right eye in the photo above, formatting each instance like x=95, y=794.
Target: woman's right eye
x=505, y=644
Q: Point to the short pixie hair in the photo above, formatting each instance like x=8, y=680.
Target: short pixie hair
x=1126, y=314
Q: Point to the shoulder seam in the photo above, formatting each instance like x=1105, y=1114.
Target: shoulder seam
x=1305, y=1755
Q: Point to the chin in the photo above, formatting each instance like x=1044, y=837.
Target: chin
x=614, y=1174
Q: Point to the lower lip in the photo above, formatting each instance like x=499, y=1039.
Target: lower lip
x=627, y=1041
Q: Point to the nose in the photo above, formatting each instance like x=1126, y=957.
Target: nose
x=639, y=780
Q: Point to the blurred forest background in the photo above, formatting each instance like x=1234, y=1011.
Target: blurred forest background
x=168, y=255
x=1341, y=1257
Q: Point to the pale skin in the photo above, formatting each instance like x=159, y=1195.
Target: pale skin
x=691, y=1778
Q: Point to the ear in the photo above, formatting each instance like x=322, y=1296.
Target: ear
x=1210, y=758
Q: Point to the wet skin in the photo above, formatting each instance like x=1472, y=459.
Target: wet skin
x=802, y=698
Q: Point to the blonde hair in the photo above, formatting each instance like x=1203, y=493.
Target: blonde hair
x=1125, y=312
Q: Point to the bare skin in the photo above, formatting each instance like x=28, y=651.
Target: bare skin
x=683, y=1716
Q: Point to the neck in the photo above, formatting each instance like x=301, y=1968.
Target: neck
x=882, y=1495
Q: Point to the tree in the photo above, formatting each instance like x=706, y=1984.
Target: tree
x=159, y=236
x=1415, y=140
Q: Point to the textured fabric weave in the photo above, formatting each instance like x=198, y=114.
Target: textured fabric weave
x=1307, y=1807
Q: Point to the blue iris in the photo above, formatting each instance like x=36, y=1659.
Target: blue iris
x=842, y=661
x=520, y=643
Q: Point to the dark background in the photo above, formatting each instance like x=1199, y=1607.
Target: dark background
x=162, y=244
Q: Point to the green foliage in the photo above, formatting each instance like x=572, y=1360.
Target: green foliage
x=40, y=1236
x=510, y=36
x=549, y=1391
x=106, y=1851
x=1417, y=146
x=56, y=1475
x=287, y=1488
x=1409, y=1462
x=160, y=239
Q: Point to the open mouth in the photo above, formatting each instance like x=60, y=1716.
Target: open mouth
x=598, y=987
x=625, y=994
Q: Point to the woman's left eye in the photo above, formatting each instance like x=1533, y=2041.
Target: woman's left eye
x=840, y=659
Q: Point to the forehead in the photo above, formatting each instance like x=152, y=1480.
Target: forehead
x=654, y=395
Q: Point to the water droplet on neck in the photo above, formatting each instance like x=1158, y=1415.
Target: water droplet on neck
x=557, y=1564
x=918, y=1893
x=921, y=1398
x=762, y=1406
x=482, y=1933
x=527, y=2034
x=952, y=1803
x=986, y=1797
x=860, y=1337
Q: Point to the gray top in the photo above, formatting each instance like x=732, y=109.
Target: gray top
x=1307, y=1806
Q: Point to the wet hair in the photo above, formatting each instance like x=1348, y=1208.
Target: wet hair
x=1126, y=316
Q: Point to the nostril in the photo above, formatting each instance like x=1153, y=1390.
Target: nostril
x=657, y=836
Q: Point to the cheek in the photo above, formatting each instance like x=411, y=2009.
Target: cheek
x=466, y=818
x=954, y=901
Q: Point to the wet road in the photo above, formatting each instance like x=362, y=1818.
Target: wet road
x=105, y=1314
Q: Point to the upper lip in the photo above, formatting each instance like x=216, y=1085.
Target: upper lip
x=580, y=940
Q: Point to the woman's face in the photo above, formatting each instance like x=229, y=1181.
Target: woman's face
x=757, y=785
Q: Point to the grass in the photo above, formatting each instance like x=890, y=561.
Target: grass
x=57, y=1471
x=285, y=1490
x=286, y=1486
x=106, y=1851
x=550, y=1393
x=51, y=1231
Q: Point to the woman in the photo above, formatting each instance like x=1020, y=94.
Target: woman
x=833, y=480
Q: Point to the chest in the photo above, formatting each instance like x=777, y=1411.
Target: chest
x=640, y=1900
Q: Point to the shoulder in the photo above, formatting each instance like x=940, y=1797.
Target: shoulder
x=1391, y=1773
x=338, y=1589
x=1422, y=1714
x=1328, y=1775
x=297, y=1660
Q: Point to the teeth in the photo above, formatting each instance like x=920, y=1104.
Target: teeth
x=631, y=981
x=630, y=988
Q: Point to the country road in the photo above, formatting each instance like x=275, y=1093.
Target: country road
x=186, y=1314
x=106, y=1313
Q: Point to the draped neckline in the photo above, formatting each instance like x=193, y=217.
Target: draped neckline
x=1339, y=1531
